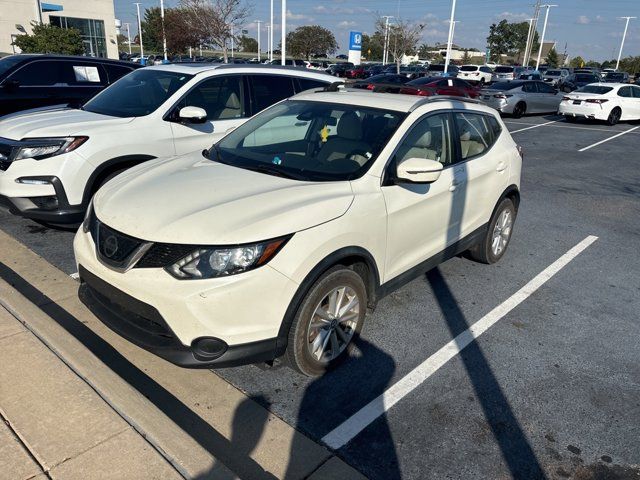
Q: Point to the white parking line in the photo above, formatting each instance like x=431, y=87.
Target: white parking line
x=535, y=126
x=351, y=427
x=608, y=139
x=563, y=125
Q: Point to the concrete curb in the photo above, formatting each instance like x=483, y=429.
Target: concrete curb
x=201, y=424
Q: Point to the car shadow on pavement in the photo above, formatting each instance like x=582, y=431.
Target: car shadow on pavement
x=233, y=454
x=516, y=450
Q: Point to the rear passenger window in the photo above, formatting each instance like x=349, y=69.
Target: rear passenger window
x=529, y=87
x=115, y=72
x=40, y=73
x=308, y=84
x=635, y=91
x=625, y=92
x=220, y=96
x=430, y=138
x=269, y=89
x=544, y=88
x=476, y=136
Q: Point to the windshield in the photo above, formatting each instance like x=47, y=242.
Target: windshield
x=309, y=141
x=553, y=73
x=614, y=76
x=586, y=78
x=594, y=89
x=503, y=69
x=137, y=94
x=469, y=68
x=436, y=68
x=8, y=62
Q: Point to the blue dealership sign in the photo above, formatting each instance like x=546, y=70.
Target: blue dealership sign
x=355, y=41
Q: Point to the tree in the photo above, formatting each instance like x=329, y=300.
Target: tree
x=630, y=65
x=423, y=50
x=50, y=39
x=577, y=62
x=311, y=40
x=152, y=30
x=122, y=39
x=178, y=34
x=466, y=58
x=403, y=38
x=247, y=44
x=372, y=46
x=552, y=58
x=211, y=21
x=510, y=39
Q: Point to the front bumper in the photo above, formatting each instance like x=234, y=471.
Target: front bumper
x=168, y=317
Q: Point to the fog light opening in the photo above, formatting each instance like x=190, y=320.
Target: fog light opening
x=45, y=203
x=208, y=348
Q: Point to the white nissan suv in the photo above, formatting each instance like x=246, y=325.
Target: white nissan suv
x=52, y=162
x=278, y=239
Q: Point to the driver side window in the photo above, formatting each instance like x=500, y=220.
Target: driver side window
x=220, y=97
x=430, y=138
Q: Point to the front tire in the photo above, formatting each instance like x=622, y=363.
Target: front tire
x=328, y=320
x=495, y=242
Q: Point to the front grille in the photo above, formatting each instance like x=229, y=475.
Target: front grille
x=162, y=255
x=114, y=248
x=6, y=148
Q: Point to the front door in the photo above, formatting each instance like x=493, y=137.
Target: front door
x=222, y=97
x=421, y=219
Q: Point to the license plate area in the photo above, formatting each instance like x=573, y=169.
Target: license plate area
x=577, y=102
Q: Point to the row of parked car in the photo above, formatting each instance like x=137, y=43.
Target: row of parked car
x=222, y=225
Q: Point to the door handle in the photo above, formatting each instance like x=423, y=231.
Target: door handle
x=502, y=166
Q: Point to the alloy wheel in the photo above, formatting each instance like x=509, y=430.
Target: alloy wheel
x=333, y=324
x=501, y=232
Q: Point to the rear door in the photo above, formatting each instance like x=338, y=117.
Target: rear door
x=532, y=97
x=36, y=84
x=223, y=98
x=634, y=102
x=549, y=97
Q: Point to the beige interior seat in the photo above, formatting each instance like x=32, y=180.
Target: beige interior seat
x=421, y=148
x=470, y=147
x=232, y=106
x=348, y=140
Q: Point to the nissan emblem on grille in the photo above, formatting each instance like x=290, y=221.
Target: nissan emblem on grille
x=110, y=246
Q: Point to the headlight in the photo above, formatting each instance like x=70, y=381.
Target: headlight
x=39, y=148
x=224, y=261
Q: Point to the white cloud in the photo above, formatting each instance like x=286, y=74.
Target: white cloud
x=323, y=10
x=346, y=24
x=510, y=16
x=583, y=20
x=298, y=16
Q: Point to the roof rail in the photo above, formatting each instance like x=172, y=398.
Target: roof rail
x=445, y=98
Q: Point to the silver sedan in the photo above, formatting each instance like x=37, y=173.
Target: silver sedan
x=519, y=97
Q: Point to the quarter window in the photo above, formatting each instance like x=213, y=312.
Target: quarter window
x=635, y=91
x=529, y=88
x=476, y=135
x=269, y=89
x=625, y=92
x=430, y=138
x=220, y=97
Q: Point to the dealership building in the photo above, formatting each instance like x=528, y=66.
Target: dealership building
x=94, y=19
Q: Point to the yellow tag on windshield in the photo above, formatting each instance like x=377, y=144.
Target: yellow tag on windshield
x=324, y=134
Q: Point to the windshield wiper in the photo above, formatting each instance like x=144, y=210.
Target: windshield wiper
x=269, y=170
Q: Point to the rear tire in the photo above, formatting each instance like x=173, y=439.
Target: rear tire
x=327, y=322
x=570, y=119
x=519, y=110
x=495, y=242
x=614, y=116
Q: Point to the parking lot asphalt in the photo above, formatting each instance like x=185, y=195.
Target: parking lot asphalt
x=551, y=390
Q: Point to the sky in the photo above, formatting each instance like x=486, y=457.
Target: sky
x=589, y=28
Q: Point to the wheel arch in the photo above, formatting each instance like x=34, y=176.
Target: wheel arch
x=356, y=258
x=106, y=168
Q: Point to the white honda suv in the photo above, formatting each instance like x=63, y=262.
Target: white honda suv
x=53, y=161
x=278, y=239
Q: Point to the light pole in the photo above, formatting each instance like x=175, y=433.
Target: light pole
x=164, y=37
x=624, y=35
x=269, y=39
x=283, y=54
x=271, y=33
x=128, y=37
x=258, y=22
x=544, y=30
x=386, y=38
x=140, y=34
x=450, y=41
x=526, y=48
x=232, y=42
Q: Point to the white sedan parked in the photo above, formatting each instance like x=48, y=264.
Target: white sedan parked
x=610, y=102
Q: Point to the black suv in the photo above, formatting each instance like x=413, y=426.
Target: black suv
x=32, y=81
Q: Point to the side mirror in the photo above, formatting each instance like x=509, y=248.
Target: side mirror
x=418, y=170
x=193, y=115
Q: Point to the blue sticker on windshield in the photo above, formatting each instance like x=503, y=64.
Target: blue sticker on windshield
x=276, y=161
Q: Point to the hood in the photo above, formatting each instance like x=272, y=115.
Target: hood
x=192, y=200
x=55, y=123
